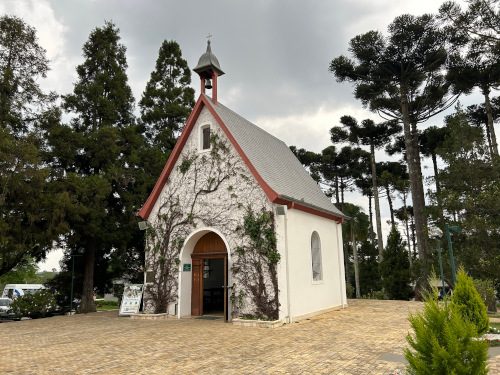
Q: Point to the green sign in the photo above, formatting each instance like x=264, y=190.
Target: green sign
x=186, y=267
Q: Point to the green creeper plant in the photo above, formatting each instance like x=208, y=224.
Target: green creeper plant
x=254, y=259
x=468, y=303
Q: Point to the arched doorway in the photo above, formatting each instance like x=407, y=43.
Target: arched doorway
x=209, y=277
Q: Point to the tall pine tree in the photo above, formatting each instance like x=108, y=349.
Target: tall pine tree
x=30, y=219
x=167, y=99
x=98, y=154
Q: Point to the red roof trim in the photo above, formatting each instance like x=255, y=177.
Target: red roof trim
x=162, y=180
x=298, y=206
x=146, y=209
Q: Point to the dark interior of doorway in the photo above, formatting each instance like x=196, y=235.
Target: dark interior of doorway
x=213, y=287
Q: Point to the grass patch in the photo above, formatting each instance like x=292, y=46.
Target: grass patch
x=102, y=305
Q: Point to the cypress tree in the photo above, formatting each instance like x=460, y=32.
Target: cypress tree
x=467, y=301
x=395, y=268
x=167, y=99
x=443, y=343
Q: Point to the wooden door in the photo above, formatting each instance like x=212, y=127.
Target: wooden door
x=197, y=287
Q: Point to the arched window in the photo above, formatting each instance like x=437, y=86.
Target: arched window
x=317, y=269
x=205, y=137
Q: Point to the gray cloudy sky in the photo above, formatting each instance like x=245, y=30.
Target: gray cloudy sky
x=275, y=53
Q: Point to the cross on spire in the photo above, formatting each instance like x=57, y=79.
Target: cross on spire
x=209, y=37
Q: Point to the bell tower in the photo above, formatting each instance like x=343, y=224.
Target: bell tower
x=208, y=69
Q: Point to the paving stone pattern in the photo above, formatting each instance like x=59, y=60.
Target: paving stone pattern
x=366, y=338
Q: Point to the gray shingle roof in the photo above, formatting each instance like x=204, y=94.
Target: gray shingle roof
x=275, y=162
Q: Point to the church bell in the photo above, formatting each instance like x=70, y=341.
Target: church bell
x=208, y=83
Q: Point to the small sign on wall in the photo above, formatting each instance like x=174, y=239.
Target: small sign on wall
x=186, y=267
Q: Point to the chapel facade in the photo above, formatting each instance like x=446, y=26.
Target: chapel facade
x=238, y=228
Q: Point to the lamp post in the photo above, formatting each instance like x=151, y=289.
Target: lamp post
x=72, y=279
x=437, y=234
x=440, y=265
x=448, y=229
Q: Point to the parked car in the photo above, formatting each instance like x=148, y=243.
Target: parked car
x=5, y=311
x=13, y=291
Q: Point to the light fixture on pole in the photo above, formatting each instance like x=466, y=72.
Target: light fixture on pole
x=437, y=234
x=448, y=229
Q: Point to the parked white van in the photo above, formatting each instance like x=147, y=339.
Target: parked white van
x=13, y=291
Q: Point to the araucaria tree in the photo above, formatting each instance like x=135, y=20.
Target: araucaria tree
x=97, y=153
x=401, y=76
x=375, y=136
x=475, y=60
x=30, y=219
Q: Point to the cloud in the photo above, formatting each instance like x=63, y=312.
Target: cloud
x=51, y=36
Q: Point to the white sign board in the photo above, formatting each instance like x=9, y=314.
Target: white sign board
x=131, y=300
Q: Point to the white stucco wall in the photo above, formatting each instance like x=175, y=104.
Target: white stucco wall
x=222, y=211
x=308, y=296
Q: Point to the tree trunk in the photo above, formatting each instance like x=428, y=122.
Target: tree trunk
x=87, y=304
x=370, y=212
x=488, y=138
x=380, y=241
x=436, y=173
x=341, y=194
x=389, y=200
x=346, y=262
x=337, y=200
x=413, y=237
x=491, y=127
x=417, y=190
x=438, y=190
x=407, y=228
x=356, y=264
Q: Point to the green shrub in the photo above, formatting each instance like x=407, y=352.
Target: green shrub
x=443, y=343
x=349, y=290
x=395, y=268
x=486, y=289
x=37, y=305
x=467, y=302
x=375, y=294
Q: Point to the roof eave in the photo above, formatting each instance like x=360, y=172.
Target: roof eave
x=310, y=208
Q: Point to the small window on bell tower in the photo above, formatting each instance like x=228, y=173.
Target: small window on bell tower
x=205, y=137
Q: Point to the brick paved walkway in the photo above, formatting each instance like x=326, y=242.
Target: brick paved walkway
x=366, y=338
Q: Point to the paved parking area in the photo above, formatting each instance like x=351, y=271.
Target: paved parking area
x=366, y=338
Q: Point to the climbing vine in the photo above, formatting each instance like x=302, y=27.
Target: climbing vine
x=215, y=189
x=200, y=175
x=256, y=260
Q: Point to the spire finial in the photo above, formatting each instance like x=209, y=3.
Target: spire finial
x=209, y=48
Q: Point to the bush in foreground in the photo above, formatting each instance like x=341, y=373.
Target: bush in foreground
x=467, y=302
x=444, y=343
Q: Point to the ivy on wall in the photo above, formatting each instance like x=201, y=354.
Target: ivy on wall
x=256, y=260
x=214, y=189
x=200, y=175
